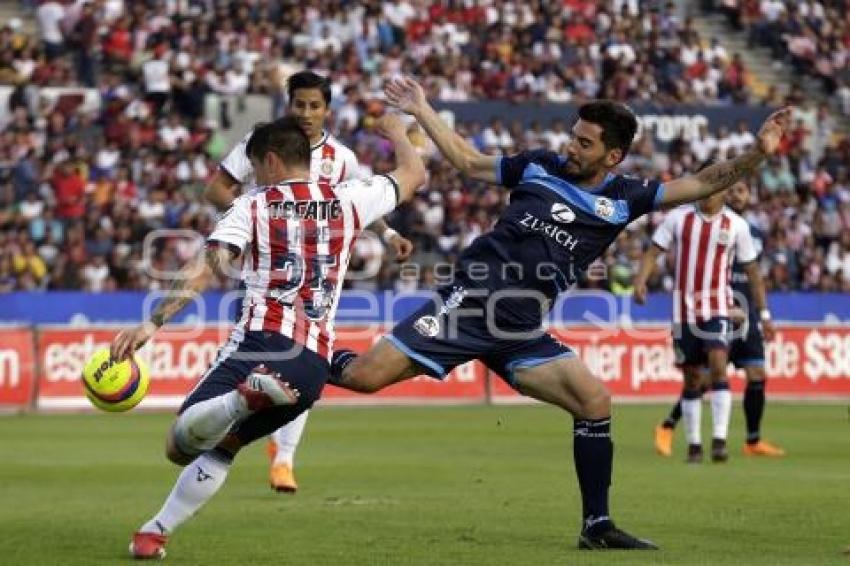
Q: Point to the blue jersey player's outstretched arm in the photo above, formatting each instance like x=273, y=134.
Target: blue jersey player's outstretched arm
x=407, y=95
x=722, y=175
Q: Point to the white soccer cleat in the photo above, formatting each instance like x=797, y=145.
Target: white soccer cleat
x=262, y=389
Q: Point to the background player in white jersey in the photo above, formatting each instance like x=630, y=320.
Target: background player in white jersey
x=294, y=236
x=707, y=236
x=331, y=162
x=747, y=349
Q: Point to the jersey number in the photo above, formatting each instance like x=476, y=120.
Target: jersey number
x=288, y=277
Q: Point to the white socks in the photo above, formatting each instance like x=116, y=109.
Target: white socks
x=721, y=411
x=692, y=415
x=197, y=483
x=203, y=425
x=287, y=438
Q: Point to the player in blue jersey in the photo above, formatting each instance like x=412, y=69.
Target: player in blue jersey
x=746, y=351
x=564, y=211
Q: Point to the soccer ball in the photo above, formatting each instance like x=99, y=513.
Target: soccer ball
x=115, y=386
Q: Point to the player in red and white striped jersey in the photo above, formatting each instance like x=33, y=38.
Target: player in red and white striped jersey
x=707, y=237
x=746, y=351
x=330, y=162
x=706, y=243
x=293, y=237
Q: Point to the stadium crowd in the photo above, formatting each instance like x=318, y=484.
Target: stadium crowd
x=812, y=36
x=81, y=190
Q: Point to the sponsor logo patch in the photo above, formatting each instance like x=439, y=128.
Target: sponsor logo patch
x=562, y=213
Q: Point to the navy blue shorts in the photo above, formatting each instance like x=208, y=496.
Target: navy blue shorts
x=748, y=350
x=692, y=341
x=451, y=329
x=302, y=368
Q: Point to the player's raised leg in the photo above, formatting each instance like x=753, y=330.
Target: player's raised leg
x=382, y=365
x=754, y=401
x=282, y=445
x=567, y=383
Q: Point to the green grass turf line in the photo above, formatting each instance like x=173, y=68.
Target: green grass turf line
x=452, y=485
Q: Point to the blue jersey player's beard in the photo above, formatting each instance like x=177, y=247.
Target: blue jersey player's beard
x=577, y=174
x=581, y=176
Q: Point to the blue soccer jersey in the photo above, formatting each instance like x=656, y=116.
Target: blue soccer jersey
x=552, y=230
x=507, y=279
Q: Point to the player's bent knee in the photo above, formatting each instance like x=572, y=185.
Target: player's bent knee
x=174, y=455
x=362, y=377
x=597, y=405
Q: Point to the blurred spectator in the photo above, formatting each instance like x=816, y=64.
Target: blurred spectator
x=49, y=16
x=80, y=190
x=810, y=36
x=69, y=188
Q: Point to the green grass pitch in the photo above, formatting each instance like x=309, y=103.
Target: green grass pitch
x=447, y=485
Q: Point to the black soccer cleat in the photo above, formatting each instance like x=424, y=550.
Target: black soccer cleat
x=719, y=453
x=694, y=454
x=613, y=538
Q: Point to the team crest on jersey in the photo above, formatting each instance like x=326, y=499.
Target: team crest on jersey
x=604, y=208
x=327, y=167
x=562, y=213
x=724, y=237
x=428, y=326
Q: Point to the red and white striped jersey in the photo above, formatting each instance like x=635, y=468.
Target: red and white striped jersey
x=330, y=162
x=705, y=250
x=296, y=239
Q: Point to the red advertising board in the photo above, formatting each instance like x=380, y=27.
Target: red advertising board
x=17, y=367
x=635, y=363
x=177, y=358
x=639, y=363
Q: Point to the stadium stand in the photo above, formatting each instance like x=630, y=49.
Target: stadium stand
x=813, y=37
x=81, y=184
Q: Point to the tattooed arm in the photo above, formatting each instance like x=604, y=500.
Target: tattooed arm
x=721, y=175
x=192, y=280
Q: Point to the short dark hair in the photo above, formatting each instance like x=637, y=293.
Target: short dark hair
x=284, y=138
x=617, y=121
x=309, y=79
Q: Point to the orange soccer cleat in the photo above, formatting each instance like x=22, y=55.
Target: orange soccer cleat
x=763, y=448
x=664, y=441
x=148, y=546
x=282, y=479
